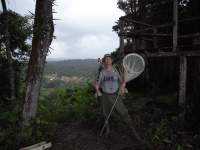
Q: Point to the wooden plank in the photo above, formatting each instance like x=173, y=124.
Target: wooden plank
x=166, y=25
x=42, y=147
x=137, y=35
x=169, y=54
x=33, y=146
x=190, y=19
x=156, y=26
x=189, y=35
x=38, y=146
x=138, y=22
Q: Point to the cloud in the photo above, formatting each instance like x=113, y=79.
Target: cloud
x=89, y=46
x=84, y=29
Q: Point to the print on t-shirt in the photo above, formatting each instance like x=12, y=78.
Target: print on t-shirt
x=108, y=78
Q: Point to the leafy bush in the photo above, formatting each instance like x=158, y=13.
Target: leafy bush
x=62, y=106
x=8, y=129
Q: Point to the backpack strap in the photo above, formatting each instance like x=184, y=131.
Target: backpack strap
x=101, y=69
x=118, y=73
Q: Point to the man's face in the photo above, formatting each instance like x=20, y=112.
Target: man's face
x=108, y=61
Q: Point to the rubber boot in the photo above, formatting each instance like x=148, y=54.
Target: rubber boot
x=133, y=133
x=107, y=134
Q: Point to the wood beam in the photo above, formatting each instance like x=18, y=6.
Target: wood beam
x=138, y=22
x=171, y=54
x=155, y=26
x=137, y=35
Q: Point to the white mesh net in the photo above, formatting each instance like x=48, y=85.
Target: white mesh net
x=133, y=66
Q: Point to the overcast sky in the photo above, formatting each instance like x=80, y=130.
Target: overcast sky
x=85, y=28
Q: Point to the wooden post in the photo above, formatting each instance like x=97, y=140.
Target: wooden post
x=39, y=146
x=121, y=42
x=182, y=85
x=175, y=27
x=183, y=76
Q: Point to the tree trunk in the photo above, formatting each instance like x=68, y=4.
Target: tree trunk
x=42, y=38
x=9, y=57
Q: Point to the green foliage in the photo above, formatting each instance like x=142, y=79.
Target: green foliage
x=4, y=80
x=157, y=122
x=8, y=128
x=20, y=30
x=62, y=106
x=3, y=52
x=163, y=136
x=10, y=132
x=54, y=83
x=84, y=105
x=78, y=103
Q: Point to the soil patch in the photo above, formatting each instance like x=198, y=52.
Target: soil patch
x=79, y=136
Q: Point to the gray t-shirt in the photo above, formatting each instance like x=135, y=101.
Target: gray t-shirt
x=109, y=81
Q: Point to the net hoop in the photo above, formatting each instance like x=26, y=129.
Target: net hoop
x=134, y=65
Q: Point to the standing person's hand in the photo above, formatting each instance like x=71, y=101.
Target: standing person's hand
x=123, y=85
x=122, y=88
x=96, y=86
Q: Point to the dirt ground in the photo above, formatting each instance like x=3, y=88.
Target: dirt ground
x=77, y=136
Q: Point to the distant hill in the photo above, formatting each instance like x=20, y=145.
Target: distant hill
x=55, y=59
x=73, y=67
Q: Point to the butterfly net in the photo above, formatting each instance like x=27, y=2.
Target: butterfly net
x=133, y=66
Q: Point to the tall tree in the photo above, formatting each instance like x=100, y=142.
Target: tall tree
x=42, y=37
x=9, y=57
x=20, y=31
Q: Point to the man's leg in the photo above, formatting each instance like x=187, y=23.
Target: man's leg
x=106, y=107
x=123, y=112
x=107, y=134
x=133, y=132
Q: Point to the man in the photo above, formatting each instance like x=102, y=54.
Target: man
x=109, y=82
